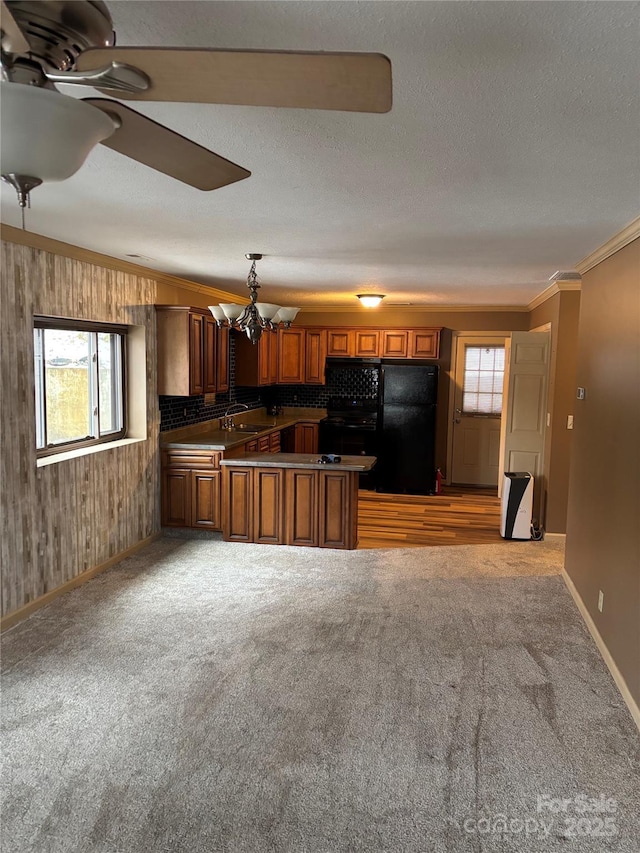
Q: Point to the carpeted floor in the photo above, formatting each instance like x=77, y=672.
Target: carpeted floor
x=205, y=696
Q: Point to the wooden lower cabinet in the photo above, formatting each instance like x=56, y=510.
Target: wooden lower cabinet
x=191, y=488
x=338, y=509
x=176, y=497
x=291, y=506
x=275, y=442
x=306, y=440
x=205, y=499
x=268, y=503
x=237, y=504
x=301, y=518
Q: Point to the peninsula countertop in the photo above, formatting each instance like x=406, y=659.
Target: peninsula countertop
x=213, y=438
x=301, y=460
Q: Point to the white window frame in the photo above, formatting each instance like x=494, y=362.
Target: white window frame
x=476, y=413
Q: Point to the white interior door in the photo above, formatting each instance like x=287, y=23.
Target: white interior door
x=525, y=408
x=479, y=377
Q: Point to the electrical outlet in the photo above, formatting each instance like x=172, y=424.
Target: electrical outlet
x=582, y=393
x=569, y=421
x=600, y=600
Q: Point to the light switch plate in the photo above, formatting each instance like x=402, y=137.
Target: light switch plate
x=569, y=421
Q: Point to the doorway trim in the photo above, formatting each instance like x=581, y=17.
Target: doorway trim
x=456, y=334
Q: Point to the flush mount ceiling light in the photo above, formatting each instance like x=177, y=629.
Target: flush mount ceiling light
x=370, y=300
x=255, y=317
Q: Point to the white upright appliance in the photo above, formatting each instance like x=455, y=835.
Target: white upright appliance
x=517, y=505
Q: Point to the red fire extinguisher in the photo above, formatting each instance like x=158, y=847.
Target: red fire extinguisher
x=438, y=482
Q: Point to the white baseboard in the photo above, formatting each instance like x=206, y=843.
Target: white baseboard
x=621, y=684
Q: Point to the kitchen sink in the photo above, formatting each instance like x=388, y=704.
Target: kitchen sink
x=252, y=428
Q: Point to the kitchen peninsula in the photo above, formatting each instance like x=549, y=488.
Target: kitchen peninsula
x=191, y=474
x=292, y=499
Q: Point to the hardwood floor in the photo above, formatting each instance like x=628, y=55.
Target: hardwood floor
x=469, y=517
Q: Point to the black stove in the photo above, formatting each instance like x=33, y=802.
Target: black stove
x=352, y=413
x=350, y=429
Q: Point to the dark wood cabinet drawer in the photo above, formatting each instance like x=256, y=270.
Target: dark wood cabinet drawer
x=274, y=442
x=191, y=459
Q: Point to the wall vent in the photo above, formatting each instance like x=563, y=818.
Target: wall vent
x=566, y=275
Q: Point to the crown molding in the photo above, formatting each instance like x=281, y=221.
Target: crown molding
x=48, y=244
x=414, y=309
x=67, y=250
x=617, y=242
x=550, y=291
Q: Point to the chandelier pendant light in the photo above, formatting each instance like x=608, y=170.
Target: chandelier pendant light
x=255, y=317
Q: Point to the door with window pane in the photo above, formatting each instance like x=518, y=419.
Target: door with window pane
x=477, y=410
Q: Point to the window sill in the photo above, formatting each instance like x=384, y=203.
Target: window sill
x=85, y=451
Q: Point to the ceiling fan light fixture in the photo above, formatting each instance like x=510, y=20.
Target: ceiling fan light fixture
x=47, y=135
x=370, y=300
x=256, y=317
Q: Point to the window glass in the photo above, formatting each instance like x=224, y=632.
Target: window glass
x=483, y=378
x=79, y=383
x=109, y=383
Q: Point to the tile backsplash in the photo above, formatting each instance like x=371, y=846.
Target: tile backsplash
x=361, y=384
x=178, y=412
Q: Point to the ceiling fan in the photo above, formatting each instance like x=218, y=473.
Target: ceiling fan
x=46, y=135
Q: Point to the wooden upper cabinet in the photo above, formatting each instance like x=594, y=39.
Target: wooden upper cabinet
x=191, y=358
x=367, y=343
x=424, y=343
x=209, y=358
x=315, y=356
x=256, y=363
x=273, y=357
x=389, y=343
x=395, y=343
x=341, y=343
x=196, y=360
x=264, y=347
x=222, y=358
x=291, y=360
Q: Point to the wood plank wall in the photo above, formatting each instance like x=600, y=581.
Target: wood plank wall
x=60, y=520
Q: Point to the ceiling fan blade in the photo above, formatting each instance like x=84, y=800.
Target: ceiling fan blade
x=358, y=82
x=162, y=149
x=13, y=39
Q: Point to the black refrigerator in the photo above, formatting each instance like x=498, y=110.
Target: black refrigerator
x=407, y=428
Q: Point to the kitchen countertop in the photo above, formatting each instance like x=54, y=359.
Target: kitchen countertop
x=301, y=460
x=213, y=438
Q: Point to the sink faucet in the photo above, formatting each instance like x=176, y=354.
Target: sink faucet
x=227, y=422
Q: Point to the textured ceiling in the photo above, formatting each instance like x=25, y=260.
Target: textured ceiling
x=511, y=152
